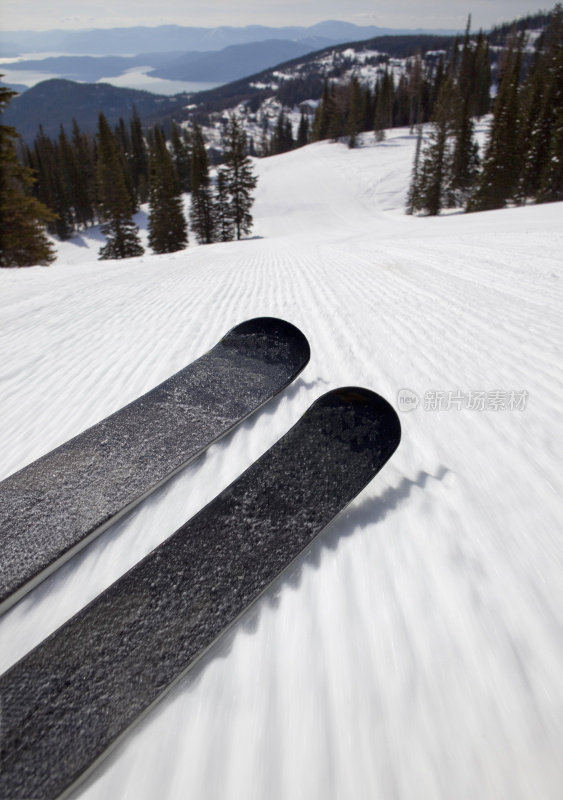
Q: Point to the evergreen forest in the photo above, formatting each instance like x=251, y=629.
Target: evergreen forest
x=76, y=180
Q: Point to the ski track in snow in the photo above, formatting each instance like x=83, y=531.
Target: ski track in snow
x=416, y=650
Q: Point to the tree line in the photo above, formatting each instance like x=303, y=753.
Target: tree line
x=346, y=109
x=22, y=216
x=523, y=156
x=78, y=180
x=396, y=100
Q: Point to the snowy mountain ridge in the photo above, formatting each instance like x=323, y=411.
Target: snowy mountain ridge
x=299, y=83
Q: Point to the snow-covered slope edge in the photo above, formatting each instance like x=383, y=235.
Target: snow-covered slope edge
x=416, y=651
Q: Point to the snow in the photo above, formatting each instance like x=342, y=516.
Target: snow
x=367, y=66
x=361, y=56
x=416, y=649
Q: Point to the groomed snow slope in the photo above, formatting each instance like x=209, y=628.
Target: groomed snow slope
x=417, y=650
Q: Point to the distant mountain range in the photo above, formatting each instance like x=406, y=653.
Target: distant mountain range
x=54, y=103
x=213, y=66
x=233, y=62
x=169, y=38
x=261, y=91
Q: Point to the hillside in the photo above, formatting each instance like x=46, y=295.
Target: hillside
x=57, y=102
x=306, y=74
x=232, y=62
x=415, y=650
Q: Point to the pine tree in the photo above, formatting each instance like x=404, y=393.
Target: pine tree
x=282, y=140
x=138, y=159
x=68, y=182
x=401, y=103
x=43, y=172
x=551, y=186
x=289, y=141
x=323, y=115
x=384, y=92
x=388, y=96
x=499, y=176
x=239, y=177
x=264, y=146
x=465, y=153
x=181, y=155
x=337, y=112
x=122, y=136
x=415, y=89
x=482, y=84
x=438, y=78
x=465, y=159
x=51, y=191
x=22, y=217
x=85, y=188
x=466, y=72
x=202, y=207
x=114, y=200
x=378, y=119
x=125, y=163
x=534, y=137
x=430, y=192
x=223, y=211
x=542, y=117
x=167, y=224
x=277, y=145
x=319, y=120
x=368, y=108
x=303, y=130
x=414, y=200
x=355, y=112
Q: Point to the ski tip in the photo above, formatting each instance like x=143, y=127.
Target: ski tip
x=369, y=411
x=263, y=335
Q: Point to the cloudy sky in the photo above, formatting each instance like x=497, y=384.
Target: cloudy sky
x=43, y=15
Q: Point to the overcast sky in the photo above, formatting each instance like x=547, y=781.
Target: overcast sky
x=48, y=14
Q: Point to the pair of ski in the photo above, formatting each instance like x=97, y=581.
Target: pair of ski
x=77, y=693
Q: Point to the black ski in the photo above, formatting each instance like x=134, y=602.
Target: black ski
x=56, y=505
x=77, y=693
